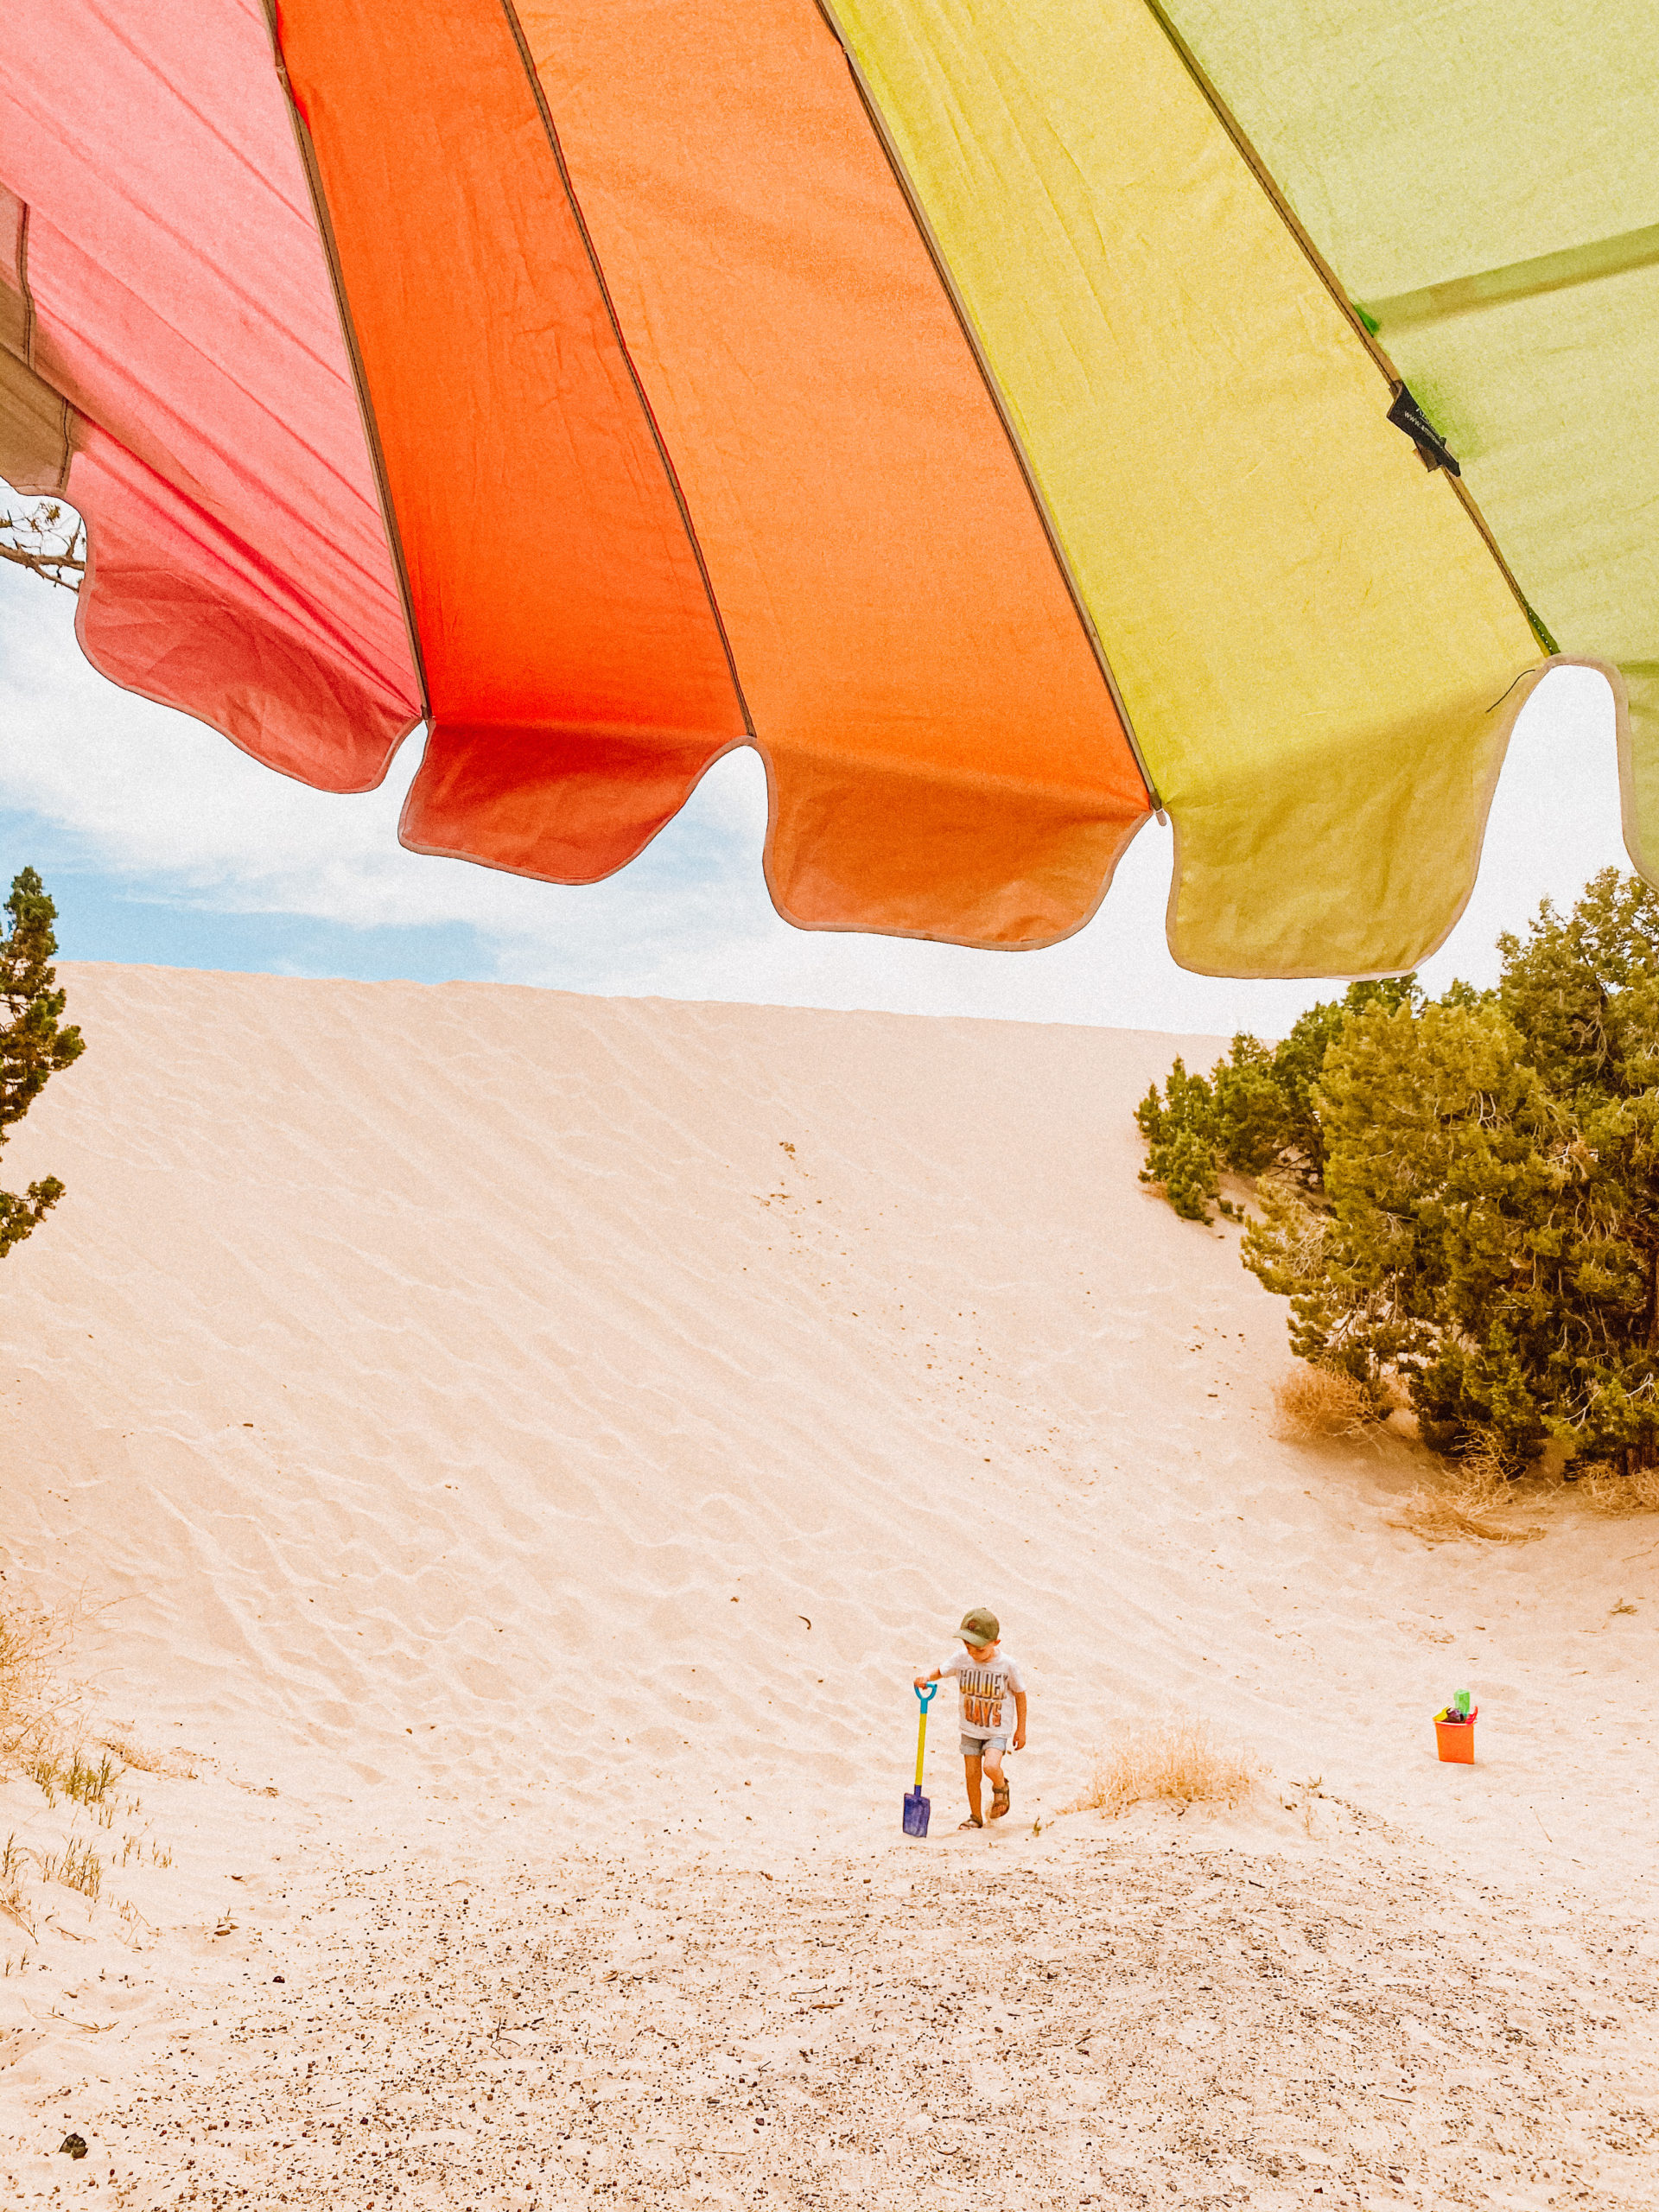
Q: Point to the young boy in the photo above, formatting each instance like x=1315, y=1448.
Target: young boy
x=986, y=1678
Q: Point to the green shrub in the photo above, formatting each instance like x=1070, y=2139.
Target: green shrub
x=34, y=1044
x=1463, y=1194
x=1254, y=1111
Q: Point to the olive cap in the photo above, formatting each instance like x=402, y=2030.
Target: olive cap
x=981, y=1626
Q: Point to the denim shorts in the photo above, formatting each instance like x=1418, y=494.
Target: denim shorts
x=974, y=1747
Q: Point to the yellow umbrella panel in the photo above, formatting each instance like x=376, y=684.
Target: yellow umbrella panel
x=1483, y=176
x=1317, y=645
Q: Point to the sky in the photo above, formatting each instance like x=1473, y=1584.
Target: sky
x=160, y=841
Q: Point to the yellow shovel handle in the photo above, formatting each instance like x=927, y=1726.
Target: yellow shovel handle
x=921, y=1744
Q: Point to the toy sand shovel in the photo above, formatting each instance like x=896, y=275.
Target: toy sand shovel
x=916, y=1806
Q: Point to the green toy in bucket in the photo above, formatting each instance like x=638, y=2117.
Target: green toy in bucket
x=1454, y=1731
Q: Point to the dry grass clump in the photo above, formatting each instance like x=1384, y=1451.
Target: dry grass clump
x=1445, y=1516
x=1471, y=1504
x=1316, y=1402
x=38, y=1739
x=174, y=1766
x=1606, y=1491
x=14, y=1898
x=1174, y=1761
x=78, y=1866
x=31, y=1709
x=75, y=1778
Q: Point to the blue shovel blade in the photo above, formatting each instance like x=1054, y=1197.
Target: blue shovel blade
x=916, y=1812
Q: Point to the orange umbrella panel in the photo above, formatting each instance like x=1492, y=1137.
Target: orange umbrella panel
x=946, y=758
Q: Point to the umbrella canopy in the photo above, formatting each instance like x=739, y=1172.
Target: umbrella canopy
x=1006, y=419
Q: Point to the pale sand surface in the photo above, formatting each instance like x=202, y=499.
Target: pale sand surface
x=449, y=1407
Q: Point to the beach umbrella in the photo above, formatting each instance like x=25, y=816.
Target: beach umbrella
x=1008, y=419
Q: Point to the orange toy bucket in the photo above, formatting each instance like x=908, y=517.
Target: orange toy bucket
x=1456, y=1738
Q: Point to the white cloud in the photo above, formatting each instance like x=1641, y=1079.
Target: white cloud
x=165, y=807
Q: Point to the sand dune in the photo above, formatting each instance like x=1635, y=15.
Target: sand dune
x=542, y=1433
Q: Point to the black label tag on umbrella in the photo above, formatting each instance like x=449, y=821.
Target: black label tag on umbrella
x=1405, y=414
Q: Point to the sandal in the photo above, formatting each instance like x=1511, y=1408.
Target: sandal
x=1001, y=1798
x=969, y=1824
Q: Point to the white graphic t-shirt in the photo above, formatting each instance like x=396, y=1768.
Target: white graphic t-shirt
x=988, y=1689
